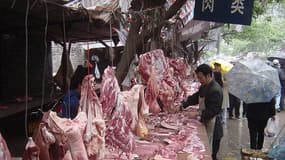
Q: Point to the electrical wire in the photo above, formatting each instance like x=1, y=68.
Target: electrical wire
x=45, y=57
x=26, y=68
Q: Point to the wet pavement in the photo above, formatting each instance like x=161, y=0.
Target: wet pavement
x=236, y=136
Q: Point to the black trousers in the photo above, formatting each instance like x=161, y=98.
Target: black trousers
x=215, y=148
x=256, y=133
x=234, y=105
x=244, y=109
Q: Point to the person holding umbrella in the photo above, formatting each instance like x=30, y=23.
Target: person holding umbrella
x=210, y=98
x=234, y=106
x=255, y=83
x=257, y=117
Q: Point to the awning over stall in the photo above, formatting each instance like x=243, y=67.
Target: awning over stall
x=194, y=30
x=64, y=19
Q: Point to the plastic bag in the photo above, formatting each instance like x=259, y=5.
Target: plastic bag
x=141, y=129
x=97, y=72
x=271, y=128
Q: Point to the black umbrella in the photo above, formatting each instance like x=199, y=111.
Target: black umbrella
x=278, y=55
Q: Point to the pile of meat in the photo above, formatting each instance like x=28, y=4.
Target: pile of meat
x=169, y=136
x=113, y=126
x=180, y=134
x=166, y=81
x=113, y=120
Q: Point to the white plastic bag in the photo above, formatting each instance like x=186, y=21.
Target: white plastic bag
x=97, y=72
x=271, y=128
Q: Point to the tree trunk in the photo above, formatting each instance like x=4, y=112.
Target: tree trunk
x=135, y=40
x=130, y=49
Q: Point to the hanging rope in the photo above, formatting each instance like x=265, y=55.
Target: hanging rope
x=66, y=70
x=88, y=50
x=13, y=4
x=142, y=39
x=26, y=68
x=45, y=57
x=111, y=45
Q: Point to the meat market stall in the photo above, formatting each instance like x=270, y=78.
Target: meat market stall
x=128, y=124
x=170, y=134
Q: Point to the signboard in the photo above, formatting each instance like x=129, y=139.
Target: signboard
x=224, y=11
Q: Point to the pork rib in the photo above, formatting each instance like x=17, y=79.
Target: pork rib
x=109, y=92
x=118, y=133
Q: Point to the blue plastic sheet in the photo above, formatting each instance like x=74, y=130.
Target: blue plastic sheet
x=278, y=152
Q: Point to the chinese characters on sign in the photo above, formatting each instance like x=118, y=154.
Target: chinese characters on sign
x=224, y=11
x=237, y=6
x=208, y=4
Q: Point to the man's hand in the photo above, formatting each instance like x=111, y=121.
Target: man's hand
x=181, y=106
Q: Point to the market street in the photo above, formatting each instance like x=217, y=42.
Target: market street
x=236, y=136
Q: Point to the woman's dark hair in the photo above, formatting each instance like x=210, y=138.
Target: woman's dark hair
x=204, y=69
x=217, y=64
x=78, y=76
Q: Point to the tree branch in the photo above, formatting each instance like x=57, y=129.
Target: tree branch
x=174, y=8
x=146, y=34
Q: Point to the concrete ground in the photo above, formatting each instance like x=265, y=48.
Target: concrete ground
x=236, y=136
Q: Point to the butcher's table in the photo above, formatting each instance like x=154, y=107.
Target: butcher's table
x=172, y=137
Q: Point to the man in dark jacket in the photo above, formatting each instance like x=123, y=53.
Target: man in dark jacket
x=257, y=117
x=210, y=98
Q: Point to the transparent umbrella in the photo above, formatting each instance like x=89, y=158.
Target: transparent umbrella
x=253, y=81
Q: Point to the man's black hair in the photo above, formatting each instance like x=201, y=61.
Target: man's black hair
x=204, y=69
x=78, y=76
